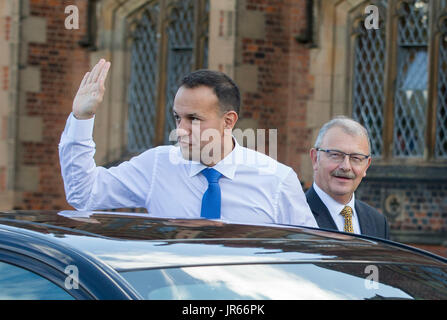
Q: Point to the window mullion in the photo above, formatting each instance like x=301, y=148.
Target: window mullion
x=200, y=34
x=390, y=80
x=432, y=82
x=162, y=77
x=440, y=103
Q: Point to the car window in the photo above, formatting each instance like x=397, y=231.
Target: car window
x=291, y=281
x=20, y=284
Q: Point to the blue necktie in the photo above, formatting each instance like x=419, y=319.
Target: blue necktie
x=211, y=197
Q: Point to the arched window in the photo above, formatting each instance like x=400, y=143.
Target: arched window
x=142, y=90
x=411, y=93
x=399, y=83
x=368, y=79
x=167, y=41
x=441, y=114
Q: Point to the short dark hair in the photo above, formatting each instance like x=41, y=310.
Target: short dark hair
x=223, y=86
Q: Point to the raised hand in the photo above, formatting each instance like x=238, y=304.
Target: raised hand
x=91, y=91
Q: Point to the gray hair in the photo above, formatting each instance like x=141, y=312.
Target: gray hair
x=350, y=126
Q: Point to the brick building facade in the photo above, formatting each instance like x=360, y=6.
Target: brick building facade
x=42, y=62
x=293, y=61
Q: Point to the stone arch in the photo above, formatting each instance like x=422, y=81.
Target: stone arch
x=112, y=44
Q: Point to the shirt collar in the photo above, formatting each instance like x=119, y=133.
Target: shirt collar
x=332, y=205
x=227, y=166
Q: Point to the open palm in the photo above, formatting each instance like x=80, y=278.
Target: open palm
x=91, y=91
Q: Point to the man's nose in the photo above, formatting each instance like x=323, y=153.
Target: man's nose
x=183, y=129
x=346, y=163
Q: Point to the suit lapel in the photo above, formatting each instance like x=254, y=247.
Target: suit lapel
x=321, y=213
x=324, y=218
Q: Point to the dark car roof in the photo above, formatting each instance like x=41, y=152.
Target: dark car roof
x=136, y=241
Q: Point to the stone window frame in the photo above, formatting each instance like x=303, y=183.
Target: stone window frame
x=332, y=72
x=435, y=12
x=112, y=43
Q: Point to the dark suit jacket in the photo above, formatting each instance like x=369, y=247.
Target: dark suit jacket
x=372, y=222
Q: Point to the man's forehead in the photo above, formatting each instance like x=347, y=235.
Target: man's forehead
x=338, y=136
x=187, y=111
x=198, y=92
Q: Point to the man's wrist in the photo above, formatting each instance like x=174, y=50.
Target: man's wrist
x=83, y=117
x=79, y=130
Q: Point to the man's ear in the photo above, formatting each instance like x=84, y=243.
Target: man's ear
x=230, y=119
x=367, y=166
x=314, y=157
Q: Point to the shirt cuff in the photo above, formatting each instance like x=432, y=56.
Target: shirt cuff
x=79, y=129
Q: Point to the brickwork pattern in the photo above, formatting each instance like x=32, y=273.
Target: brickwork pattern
x=62, y=63
x=283, y=82
x=423, y=207
x=424, y=204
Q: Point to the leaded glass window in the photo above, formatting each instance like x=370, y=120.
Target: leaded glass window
x=168, y=39
x=180, y=53
x=399, y=79
x=441, y=114
x=410, y=103
x=143, y=89
x=368, y=80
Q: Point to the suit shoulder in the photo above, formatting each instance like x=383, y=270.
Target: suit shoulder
x=371, y=210
x=310, y=194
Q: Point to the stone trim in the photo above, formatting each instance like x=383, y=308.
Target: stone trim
x=406, y=172
x=419, y=237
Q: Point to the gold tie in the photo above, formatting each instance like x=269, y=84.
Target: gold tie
x=347, y=214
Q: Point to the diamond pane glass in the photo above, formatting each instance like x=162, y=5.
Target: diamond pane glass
x=368, y=82
x=180, y=54
x=410, y=101
x=441, y=113
x=143, y=87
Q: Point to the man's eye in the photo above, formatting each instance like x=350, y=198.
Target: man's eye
x=335, y=155
x=176, y=117
x=356, y=158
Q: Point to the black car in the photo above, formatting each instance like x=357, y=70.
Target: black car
x=104, y=255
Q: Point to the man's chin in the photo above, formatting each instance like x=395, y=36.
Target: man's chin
x=342, y=190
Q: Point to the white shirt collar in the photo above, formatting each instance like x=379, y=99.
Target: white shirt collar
x=333, y=206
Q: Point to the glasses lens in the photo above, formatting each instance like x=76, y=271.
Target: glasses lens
x=336, y=155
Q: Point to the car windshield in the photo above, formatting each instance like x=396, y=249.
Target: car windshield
x=292, y=281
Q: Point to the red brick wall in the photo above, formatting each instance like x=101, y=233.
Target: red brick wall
x=62, y=63
x=283, y=77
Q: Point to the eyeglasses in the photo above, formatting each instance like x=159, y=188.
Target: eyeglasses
x=339, y=156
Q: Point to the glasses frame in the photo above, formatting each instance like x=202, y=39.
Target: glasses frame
x=365, y=157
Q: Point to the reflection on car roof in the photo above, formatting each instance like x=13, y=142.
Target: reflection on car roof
x=135, y=241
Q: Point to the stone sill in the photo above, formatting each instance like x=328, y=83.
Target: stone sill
x=407, y=172
x=419, y=237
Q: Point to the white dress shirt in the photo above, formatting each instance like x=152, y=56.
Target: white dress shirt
x=335, y=208
x=254, y=187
